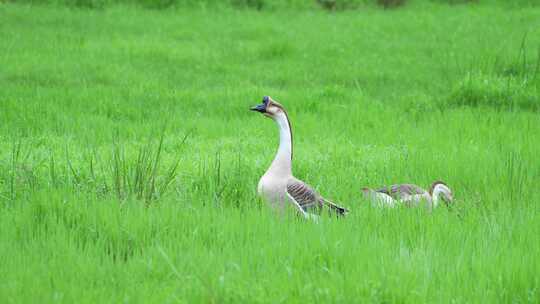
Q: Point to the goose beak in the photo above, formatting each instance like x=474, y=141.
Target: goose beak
x=259, y=108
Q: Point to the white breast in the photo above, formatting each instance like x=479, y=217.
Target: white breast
x=415, y=200
x=272, y=189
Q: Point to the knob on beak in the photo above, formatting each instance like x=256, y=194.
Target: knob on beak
x=259, y=108
x=262, y=107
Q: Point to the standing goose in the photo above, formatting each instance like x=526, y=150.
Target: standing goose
x=278, y=186
x=410, y=195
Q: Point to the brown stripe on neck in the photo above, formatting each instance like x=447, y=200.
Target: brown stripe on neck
x=290, y=130
x=278, y=105
x=434, y=184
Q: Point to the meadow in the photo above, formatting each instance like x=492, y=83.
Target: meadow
x=129, y=159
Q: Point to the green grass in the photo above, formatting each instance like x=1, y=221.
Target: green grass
x=95, y=207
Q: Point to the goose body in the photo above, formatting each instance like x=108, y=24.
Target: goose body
x=278, y=186
x=409, y=195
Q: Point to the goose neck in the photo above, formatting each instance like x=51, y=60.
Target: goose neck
x=436, y=193
x=283, y=159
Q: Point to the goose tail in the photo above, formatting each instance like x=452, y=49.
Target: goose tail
x=341, y=211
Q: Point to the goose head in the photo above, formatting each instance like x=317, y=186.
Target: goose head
x=441, y=190
x=366, y=191
x=269, y=108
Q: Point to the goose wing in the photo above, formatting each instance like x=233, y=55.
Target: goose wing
x=303, y=194
x=306, y=197
x=403, y=192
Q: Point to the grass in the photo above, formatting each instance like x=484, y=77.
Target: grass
x=129, y=159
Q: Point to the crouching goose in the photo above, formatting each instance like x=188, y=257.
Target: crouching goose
x=409, y=195
x=278, y=186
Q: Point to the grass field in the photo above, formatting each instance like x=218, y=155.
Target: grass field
x=129, y=160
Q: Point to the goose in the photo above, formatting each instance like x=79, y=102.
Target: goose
x=409, y=195
x=278, y=186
